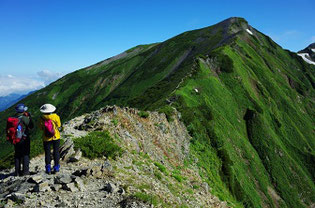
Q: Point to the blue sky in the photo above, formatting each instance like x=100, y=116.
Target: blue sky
x=41, y=40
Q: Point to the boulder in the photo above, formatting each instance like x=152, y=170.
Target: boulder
x=76, y=156
x=67, y=150
x=96, y=171
x=111, y=188
x=70, y=187
x=16, y=197
x=42, y=187
x=35, y=179
x=56, y=187
x=79, y=184
x=64, y=179
x=25, y=187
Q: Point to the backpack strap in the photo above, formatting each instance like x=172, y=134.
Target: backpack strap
x=23, y=126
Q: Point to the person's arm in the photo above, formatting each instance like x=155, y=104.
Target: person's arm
x=31, y=123
x=58, y=122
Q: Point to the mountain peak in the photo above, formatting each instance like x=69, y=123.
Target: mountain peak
x=232, y=20
x=308, y=54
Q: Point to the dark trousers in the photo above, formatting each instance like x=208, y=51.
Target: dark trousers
x=22, y=156
x=56, y=154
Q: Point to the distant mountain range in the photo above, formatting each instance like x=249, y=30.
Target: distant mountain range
x=308, y=54
x=247, y=104
x=11, y=99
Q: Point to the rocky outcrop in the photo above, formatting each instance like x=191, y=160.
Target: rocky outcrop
x=151, y=172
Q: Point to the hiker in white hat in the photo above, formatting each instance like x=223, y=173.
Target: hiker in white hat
x=50, y=124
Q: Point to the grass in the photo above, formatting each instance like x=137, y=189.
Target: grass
x=168, y=111
x=223, y=141
x=98, y=144
x=143, y=114
x=147, y=198
x=161, y=167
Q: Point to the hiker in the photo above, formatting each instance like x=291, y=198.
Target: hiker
x=50, y=124
x=18, y=133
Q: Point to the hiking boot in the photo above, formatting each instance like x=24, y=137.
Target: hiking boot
x=56, y=168
x=48, y=169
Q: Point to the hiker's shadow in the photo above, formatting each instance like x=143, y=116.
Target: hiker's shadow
x=5, y=175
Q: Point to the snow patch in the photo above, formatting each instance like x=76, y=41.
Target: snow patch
x=304, y=55
x=313, y=50
x=250, y=32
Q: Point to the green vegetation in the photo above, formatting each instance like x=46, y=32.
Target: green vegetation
x=143, y=114
x=147, y=198
x=158, y=175
x=168, y=111
x=115, y=122
x=161, y=167
x=98, y=144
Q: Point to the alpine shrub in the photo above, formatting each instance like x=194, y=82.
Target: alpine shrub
x=98, y=144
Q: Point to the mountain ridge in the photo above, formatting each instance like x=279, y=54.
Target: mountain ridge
x=151, y=170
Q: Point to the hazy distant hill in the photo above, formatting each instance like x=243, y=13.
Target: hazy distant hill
x=247, y=103
x=9, y=100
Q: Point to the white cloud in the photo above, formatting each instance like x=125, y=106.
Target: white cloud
x=22, y=85
x=49, y=76
x=13, y=84
x=313, y=39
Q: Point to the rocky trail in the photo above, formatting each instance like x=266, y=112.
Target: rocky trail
x=150, y=173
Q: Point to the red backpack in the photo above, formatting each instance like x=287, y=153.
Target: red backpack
x=49, y=128
x=14, y=130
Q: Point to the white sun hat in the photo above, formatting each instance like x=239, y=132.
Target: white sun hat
x=47, y=108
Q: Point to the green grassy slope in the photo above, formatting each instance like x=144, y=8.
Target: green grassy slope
x=248, y=104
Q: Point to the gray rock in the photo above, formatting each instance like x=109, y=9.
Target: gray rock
x=67, y=150
x=96, y=171
x=79, y=184
x=56, y=187
x=16, y=197
x=70, y=187
x=62, y=204
x=25, y=187
x=9, y=203
x=35, y=179
x=205, y=186
x=111, y=188
x=42, y=203
x=121, y=191
x=76, y=157
x=42, y=187
x=64, y=179
x=107, y=165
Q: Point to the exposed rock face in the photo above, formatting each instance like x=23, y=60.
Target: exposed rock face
x=151, y=172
